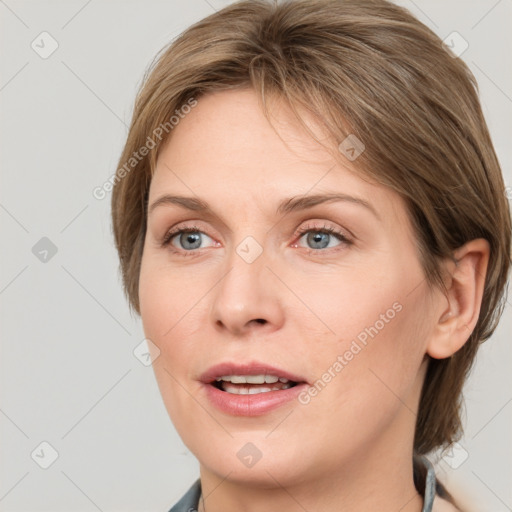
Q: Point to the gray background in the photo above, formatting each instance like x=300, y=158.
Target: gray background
x=68, y=373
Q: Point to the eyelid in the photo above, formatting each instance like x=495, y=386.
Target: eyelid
x=323, y=225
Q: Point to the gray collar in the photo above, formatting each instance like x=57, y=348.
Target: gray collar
x=430, y=486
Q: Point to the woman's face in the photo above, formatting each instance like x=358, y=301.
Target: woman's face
x=293, y=267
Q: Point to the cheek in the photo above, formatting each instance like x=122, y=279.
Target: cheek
x=169, y=300
x=378, y=334
x=170, y=308
x=364, y=387
x=351, y=304
x=377, y=364
x=162, y=305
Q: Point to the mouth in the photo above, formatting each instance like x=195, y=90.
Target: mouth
x=250, y=389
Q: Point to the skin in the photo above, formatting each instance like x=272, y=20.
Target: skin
x=352, y=443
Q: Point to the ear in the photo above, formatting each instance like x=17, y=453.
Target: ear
x=459, y=308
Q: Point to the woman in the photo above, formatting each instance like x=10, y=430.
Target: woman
x=312, y=224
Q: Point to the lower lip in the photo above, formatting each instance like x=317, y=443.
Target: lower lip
x=251, y=405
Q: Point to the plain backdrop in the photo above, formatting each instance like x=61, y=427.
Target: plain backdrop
x=69, y=375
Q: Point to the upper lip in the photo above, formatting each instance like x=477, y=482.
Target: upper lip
x=250, y=368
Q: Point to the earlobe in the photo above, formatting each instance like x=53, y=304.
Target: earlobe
x=459, y=309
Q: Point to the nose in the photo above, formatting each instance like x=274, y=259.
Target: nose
x=248, y=298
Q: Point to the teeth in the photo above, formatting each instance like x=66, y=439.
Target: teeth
x=237, y=379
x=242, y=390
x=255, y=391
x=252, y=379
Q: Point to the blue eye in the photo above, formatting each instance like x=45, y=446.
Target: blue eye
x=318, y=239
x=190, y=240
x=324, y=238
x=187, y=239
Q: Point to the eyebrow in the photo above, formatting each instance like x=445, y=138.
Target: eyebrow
x=288, y=205
x=304, y=202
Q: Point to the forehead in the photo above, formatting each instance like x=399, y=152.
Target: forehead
x=226, y=148
x=232, y=126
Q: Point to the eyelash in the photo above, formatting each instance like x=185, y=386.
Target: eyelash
x=166, y=241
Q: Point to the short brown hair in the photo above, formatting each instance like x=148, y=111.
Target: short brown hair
x=361, y=67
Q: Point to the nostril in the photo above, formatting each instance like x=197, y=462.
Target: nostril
x=260, y=320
